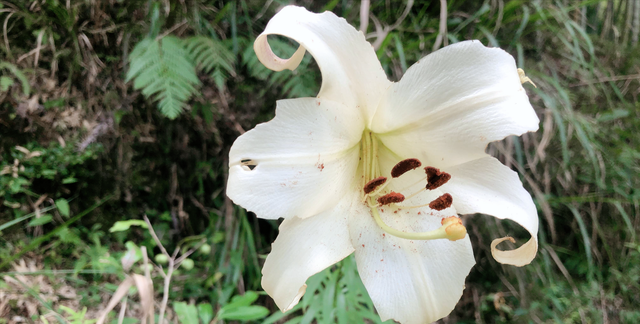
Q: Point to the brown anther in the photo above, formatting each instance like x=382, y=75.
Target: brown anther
x=374, y=184
x=390, y=198
x=405, y=166
x=435, y=177
x=441, y=202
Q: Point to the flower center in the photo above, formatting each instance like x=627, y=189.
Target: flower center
x=375, y=195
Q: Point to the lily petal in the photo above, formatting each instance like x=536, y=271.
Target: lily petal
x=303, y=248
x=454, y=102
x=298, y=164
x=486, y=186
x=351, y=72
x=409, y=281
x=412, y=282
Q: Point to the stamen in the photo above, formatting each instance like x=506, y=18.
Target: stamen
x=435, y=177
x=374, y=184
x=442, y=202
x=415, y=193
x=379, y=189
x=392, y=197
x=524, y=78
x=405, y=166
x=413, y=184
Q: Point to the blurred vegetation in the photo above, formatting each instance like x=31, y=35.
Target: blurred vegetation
x=112, y=110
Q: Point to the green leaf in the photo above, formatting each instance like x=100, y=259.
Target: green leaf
x=44, y=219
x=218, y=237
x=133, y=252
x=243, y=313
x=69, y=180
x=328, y=295
x=26, y=89
x=239, y=308
x=245, y=300
x=22, y=218
x=49, y=174
x=5, y=83
x=120, y=226
x=613, y=115
x=400, y=49
x=15, y=185
x=187, y=314
x=205, y=312
x=60, y=102
x=63, y=207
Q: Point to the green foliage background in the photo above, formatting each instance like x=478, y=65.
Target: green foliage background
x=132, y=107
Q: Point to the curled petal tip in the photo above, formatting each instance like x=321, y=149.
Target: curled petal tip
x=271, y=60
x=295, y=301
x=519, y=257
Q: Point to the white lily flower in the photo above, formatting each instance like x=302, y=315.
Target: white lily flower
x=325, y=165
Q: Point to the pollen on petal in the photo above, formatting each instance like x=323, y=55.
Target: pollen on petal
x=374, y=184
x=435, y=177
x=441, y=202
x=392, y=197
x=404, y=166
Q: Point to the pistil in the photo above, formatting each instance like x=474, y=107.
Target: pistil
x=370, y=168
x=451, y=229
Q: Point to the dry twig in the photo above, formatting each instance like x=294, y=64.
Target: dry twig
x=442, y=32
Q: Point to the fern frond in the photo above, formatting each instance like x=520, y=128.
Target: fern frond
x=301, y=84
x=164, y=71
x=213, y=57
